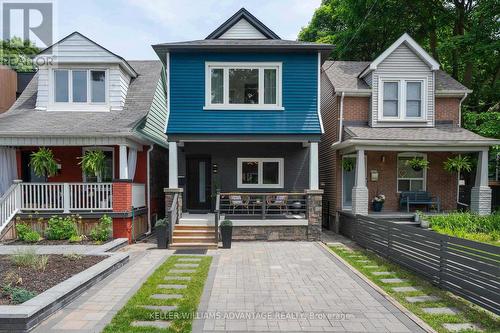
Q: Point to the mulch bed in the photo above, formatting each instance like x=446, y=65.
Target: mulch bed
x=59, y=268
x=54, y=242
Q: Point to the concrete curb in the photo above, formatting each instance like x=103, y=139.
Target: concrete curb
x=422, y=324
x=24, y=317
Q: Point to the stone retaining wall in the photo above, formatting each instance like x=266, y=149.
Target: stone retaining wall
x=271, y=233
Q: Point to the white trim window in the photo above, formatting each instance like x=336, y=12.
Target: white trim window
x=408, y=178
x=402, y=99
x=243, y=86
x=77, y=88
x=109, y=168
x=260, y=172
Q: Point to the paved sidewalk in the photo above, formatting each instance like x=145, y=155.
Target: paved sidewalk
x=293, y=287
x=95, y=308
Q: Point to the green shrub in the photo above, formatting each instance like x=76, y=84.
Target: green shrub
x=102, y=231
x=22, y=229
x=18, y=295
x=31, y=236
x=75, y=239
x=61, y=227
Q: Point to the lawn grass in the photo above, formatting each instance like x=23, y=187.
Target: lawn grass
x=181, y=319
x=469, y=313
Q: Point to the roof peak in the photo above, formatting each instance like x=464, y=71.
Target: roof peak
x=238, y=16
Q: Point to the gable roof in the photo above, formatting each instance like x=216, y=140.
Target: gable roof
x=120, y=59
x=412, y=44
x=23, y=120
x=247, y=16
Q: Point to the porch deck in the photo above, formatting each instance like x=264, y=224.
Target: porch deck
x=208, y=219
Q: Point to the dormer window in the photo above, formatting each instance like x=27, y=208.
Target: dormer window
x=79, y=88
x=402, y=99
x=242, y=86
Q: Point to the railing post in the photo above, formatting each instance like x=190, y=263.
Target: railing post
x=264, y=202
x=217, y=216
x=17, y=194
x=66, y=203
x=442, y=260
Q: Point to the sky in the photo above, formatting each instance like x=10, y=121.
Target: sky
x=129, y=27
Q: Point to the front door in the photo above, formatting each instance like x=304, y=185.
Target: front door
x=348, y=178
x=198, y=185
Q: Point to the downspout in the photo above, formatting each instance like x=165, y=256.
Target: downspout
x=149, y=188
x=341, y=119
x=460, y=125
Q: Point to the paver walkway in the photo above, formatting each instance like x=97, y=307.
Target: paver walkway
x=292, y=287
x=95, y=308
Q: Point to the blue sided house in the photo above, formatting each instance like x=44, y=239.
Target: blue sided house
x=243, y=129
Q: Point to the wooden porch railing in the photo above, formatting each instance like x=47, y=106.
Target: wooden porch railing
x=263, y=205
x=9, y=205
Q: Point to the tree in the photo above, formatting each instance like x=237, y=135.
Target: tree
x=17, y=54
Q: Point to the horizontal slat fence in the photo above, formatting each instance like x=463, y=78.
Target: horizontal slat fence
x=466, y=268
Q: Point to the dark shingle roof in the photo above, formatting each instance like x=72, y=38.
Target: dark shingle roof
x=344, y=76
x=22, y=118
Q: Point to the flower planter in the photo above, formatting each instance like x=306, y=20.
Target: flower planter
x=227, y=234
x=417, y=169
x=377, y=206
x=162, y=236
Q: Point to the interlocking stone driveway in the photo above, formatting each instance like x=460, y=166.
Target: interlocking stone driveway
x=292, y=287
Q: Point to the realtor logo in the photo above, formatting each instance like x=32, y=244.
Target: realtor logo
x=29, y=21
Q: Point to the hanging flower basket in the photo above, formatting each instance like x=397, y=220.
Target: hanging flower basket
x=418, y=163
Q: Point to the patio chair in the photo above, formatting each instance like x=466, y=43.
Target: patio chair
x=280, y=201
x=239, y=201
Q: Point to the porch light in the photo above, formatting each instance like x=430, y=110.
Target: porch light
x=215, y=168
x=374, y=175
x=382, y=159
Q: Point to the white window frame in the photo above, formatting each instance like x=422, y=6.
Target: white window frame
x=225, y=66
x=111, y=149
x=424, y=179
x=260, y=162
x=78, y=106
x=402, y=83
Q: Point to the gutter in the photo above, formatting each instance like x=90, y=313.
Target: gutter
x=415, y=143
x=460, y=109
x=341, y=120
x=148, y=179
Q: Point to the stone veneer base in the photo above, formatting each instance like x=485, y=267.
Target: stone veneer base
x=270, y=233
x=24, y=317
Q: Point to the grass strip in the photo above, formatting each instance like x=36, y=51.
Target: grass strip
x=469, y=313
x=181, y=318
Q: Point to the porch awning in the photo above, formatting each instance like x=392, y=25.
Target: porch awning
x=444, y=138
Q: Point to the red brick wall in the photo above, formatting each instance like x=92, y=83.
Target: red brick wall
x=448, y=109
x=356, y=108
x=68, y=158
x=122, y=196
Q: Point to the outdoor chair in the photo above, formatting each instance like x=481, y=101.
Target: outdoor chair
x=279, y=201
x=239, y=201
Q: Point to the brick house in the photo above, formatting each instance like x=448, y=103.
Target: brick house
x=86, y=98
x=380, y=114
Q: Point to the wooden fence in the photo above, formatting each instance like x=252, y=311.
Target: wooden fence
x=466, y=268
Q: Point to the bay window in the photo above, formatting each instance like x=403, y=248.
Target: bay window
x=260, y=172
x=402, y=99
x=79, y=86
x=243, y=86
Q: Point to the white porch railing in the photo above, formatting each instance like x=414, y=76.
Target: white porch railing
x=138, y=195
x=66, y=197
x=9, y=205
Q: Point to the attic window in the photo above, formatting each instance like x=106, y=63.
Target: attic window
x=79, y=86
x=402, y=99
x=242, y=86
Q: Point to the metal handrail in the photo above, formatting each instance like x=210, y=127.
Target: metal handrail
x=217, y=217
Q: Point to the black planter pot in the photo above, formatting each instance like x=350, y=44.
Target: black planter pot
x=417, y=169
x=227, y=235
x=377, y=206
x=161, y=236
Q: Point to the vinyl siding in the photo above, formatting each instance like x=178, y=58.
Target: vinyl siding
x=403, y=63
x=242, y=30
x=187, y=88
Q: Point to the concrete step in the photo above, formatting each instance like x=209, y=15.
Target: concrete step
x=195, y=232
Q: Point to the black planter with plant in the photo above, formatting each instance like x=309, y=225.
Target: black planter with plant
x=418, y=163
x=226, y=231
x=161, y=228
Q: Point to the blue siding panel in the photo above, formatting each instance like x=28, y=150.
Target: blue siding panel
x=187, y=89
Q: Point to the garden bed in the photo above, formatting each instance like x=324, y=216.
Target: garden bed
x=55, y=242
x=58, y=268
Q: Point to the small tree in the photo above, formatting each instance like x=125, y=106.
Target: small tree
x=43, y=163
x=93, y=163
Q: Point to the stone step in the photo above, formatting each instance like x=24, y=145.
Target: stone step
x=172, y=286
x=462, y=327
x=405, y=289
x=193, y=227
x=195, y=232
x=180, y=278
x=166, y=296
x=371, y=267
x=393, y=280
x=443, y=310
x=363, y=261
x=382, y=273
x=163, y=308
x=420, y=299
x=193, y=239
x=187, y=265
x=181, y=271
x=189, y=259
x=154, y=323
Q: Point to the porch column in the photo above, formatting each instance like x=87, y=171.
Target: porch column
x=123, y=162
x=360, y=191
x=480, y=202
x=313, y=167
x=172, y=165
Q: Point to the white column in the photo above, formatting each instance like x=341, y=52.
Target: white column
x=360, y=191
x=480, y=202
x=123, y=162
x=313, y=167
x=172, y=165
